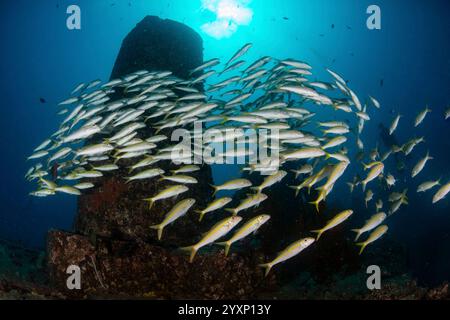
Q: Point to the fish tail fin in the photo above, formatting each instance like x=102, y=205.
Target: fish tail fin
x=319, y=233
x=215, y=189
x=297, y=190
x=159, y=228
x=150, y=201
x=364, y=186
x=358, y=233
x=227, y=246
x=296, y=173
x=267, y=267
x=363, y=245
x=192, y=252
x=201, y=213
x=224, y=120
x=316, y=204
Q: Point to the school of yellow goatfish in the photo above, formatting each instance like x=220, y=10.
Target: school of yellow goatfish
x=269, y=94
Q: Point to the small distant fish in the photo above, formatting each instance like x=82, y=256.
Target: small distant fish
x=42, y=100
x=441, y=193
x=420, y=165
x=375, y=102
x=421, y=116
x=394, y=124
x=376, y=169
x=390, y=180
x=305, y=169
x=379, y=205
x=425, y=186
x=369, y=197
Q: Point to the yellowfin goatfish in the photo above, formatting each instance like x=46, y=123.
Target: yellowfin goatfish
x=179, y=210
x=338, y=219
x=291, y=251
x=370, y=224
x=249, y=227
x=375, y=235
x=217, y=231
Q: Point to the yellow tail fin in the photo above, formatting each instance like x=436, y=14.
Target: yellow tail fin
x=267, y=267
x=358, y=233
x=319, y=233
x=316, y=203
x=297, y=190
x=362, y=245
x=227, y=246
x=192, y=250
x=150, y=202
x=159, y=229
x=201, y=213
x=215, y=189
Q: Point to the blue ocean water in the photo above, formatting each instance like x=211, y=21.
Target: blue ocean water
x=405, y=65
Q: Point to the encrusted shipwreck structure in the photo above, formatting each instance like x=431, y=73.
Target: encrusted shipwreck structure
x=112, y=242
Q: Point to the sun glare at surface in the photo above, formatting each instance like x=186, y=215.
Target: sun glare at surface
x=230, y=14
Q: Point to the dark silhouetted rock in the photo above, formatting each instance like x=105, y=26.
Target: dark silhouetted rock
x=157, y=44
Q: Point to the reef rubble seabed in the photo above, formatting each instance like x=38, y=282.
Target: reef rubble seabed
x=23, y=279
